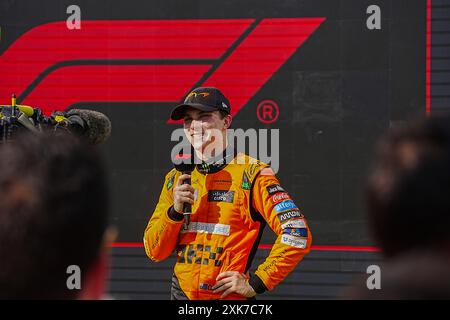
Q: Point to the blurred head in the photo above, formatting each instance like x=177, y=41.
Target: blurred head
x=53, y=214
x=408, y=190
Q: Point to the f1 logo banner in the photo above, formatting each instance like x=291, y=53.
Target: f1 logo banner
x=329, y=75
x=35, y=65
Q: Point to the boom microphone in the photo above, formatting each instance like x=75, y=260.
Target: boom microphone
x=92, y=125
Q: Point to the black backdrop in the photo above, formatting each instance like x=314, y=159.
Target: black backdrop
x=336, y=94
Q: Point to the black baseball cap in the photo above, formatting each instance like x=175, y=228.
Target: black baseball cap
x=204, y=99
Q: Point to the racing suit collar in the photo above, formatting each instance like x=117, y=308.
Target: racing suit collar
x=217, y=163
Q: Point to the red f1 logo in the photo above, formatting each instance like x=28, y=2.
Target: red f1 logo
x=53, y=67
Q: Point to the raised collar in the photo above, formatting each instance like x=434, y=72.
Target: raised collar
x=218, y=163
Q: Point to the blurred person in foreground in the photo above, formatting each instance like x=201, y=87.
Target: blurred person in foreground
x=408, y=200
x=53, y=214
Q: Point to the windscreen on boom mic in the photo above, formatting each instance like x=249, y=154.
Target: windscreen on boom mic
x=92, y=125
x=184, y=163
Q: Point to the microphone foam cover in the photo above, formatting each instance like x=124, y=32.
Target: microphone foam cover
x=98, y=125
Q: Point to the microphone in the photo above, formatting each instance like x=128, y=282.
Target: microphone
x=94, y=126
x=184, y=163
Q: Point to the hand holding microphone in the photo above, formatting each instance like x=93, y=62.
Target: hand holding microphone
x=183, y=193
x=183, y=196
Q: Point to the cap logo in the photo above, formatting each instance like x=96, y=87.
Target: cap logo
x=195, y=94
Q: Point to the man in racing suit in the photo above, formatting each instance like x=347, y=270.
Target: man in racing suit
x=233, y=197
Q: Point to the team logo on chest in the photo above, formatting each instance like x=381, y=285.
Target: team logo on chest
x=220, y=196
x=170, y=181
x=245, y=182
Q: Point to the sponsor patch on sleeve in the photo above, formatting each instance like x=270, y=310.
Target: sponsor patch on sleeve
x=285, y=216
x=296, y=232
x=274, y=188
x=284, y=206
x=293, y=241
x=278, y=197
x=294, y=223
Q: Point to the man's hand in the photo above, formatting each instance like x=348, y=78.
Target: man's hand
x=233, y=282
x=182, y=193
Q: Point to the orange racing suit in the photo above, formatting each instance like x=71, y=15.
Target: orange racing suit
x=232, y=206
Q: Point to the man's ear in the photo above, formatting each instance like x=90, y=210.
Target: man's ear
x=227, y=121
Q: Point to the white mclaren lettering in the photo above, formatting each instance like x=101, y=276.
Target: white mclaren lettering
x=212, y=228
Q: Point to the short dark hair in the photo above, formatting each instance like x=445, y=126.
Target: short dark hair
x=408, y=191
x=53, y=214
x=223, y=114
